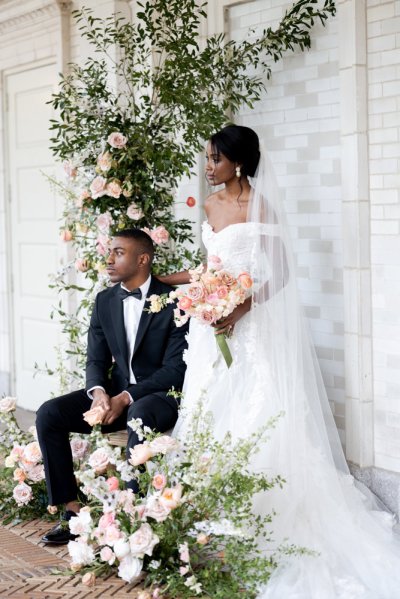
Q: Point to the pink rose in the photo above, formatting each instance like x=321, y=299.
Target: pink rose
x=114, y=189
x=106, y=520
x=79, y=448
x=17, y=453
x=134, y=212
x=207, y=317
x=213, y=299
x=183, y=570
x=146, y=230
x=22, y=494
x=171, y=497
x=159, y=235
x=112, y=535
x=32, y=453
x=245, y=280
x=112, y=483
x=66, y=235
x=102, y=243
x=84, y=195
x=98, y=187
x=103, y=221
x=81, y=264
x=159, y=481
x=94, y=416
x=227, y=278
x=222, y=292
x=184, y=303
x=164, y=444
x=89, y=579
x=99, y=460
x=104, y=161
x=140, y=454
x=214, y=263
x=117, y=140
x=107, y=555
x=195, y=291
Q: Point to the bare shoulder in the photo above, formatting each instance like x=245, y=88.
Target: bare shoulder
x=211, y=201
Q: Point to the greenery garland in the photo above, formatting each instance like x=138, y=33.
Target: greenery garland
x=130, y=124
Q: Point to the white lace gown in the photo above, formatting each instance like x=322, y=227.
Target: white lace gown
x=319, y=507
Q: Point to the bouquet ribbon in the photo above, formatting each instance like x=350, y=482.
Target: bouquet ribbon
x=224, y=348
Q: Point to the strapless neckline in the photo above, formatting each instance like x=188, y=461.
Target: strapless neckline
x=206, y=223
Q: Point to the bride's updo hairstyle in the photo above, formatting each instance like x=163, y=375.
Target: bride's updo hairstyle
x=239, y=144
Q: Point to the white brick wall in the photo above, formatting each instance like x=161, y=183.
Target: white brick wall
x=298, y=119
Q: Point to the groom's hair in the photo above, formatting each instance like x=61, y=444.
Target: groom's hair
x=142, y=239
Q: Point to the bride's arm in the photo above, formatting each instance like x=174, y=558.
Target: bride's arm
x=176, y=278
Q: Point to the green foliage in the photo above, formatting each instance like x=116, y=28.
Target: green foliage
x=166, y=91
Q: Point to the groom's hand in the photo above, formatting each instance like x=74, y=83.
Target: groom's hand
x=117, y=405
x=100, y=398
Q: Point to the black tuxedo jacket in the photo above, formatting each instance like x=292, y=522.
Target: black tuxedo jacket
x=157, y=358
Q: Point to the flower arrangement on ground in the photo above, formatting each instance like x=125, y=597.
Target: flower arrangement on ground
x=190, y=529
x=23, y=493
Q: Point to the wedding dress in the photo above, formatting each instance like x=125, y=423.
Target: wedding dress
x=274, y=369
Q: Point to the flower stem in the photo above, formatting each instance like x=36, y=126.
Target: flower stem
x=223, y=346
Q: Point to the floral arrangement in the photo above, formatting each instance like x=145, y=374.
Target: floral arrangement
x=212, y=294
x=22, y=481
x=190, y=530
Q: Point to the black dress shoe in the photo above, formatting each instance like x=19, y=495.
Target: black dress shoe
x=60, y=533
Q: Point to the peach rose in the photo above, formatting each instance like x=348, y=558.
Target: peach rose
x=202, y=538
x=184, y=303
x=52, y=509
x=8, y=404
x=171, y=497
x=195, y=291
x=164, y=444
x=66, y=235
x=227, y=278
x=222, y=292
x=134, y=212
x=94, y=416
x=159, y=235
x=19, y=475
x=104, y=161
x=155, y=509
x=245, y=280
x=89, y=579
x=70, y=170
x=112, y=483
x=114, y=189
x=98, y=187
x=22, y=494
x=140, y=454
x=81, y=264
x=84, y=195
x=117, y=140
x=207, y=317
x=159, y=481
x=107, y=555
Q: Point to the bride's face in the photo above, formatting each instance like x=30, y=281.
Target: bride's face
x=219, y=169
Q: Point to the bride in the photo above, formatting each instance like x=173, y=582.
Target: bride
x=275, y=370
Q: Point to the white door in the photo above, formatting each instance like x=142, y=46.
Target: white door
x=34, y=249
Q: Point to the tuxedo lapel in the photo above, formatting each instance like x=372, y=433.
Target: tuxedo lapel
x=146, y=316
x=117, y=317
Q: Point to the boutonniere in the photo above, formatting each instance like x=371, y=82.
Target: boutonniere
x=158, y=302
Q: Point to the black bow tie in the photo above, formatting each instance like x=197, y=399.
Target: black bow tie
x=137, y=293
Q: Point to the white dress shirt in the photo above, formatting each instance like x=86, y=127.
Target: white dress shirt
x=133, y=309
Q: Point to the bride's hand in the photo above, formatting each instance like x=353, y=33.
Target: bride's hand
x=226, y=325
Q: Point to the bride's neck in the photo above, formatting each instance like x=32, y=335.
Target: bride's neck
x=234, y=187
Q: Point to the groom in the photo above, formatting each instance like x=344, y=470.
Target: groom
x=134, y=357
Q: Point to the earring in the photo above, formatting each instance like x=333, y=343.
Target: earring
x=238, y=173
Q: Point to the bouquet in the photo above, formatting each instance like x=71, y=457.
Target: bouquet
x=212, y=294
x=191, y=529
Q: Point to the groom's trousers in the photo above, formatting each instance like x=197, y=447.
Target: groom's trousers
x=59, y=417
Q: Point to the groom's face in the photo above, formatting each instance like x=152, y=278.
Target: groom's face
x=126, y=260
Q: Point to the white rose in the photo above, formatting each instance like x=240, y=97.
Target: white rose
x=117, y=140
x=10, y=462
x=121, y=548
x=35, y=473
x=130, y=568
x=8, y=404
x=164, y=444
x=154, y=509
x=22, y=494
x=81, y=553
x=32, y=430
x=81, y=524
x=142, y=541
x=99, y=460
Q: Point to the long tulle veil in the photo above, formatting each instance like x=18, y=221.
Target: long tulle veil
x=321, y=506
